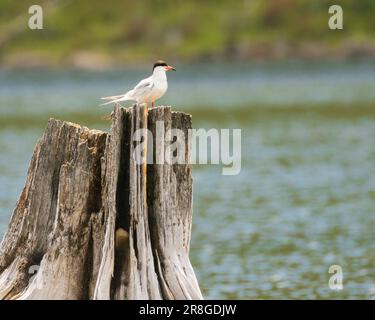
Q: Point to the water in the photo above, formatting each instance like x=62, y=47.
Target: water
x=304, y=198
x=220, y=86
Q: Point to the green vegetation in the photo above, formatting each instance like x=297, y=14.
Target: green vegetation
x=124, y=31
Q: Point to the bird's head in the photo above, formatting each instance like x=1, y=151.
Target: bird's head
x=162, y=65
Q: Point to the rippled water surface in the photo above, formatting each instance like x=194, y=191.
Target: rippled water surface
x=304, y=199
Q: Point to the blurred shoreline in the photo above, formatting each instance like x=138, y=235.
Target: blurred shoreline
x=278, y=52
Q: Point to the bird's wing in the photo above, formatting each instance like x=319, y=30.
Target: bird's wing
x=143, y=88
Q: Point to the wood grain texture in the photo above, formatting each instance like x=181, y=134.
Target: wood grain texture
x=83, y=185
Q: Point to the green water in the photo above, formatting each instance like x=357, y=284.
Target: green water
x=304, y=199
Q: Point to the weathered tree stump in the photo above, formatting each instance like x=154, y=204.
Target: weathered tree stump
x=94, y=223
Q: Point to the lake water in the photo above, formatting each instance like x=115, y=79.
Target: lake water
x=304, y=199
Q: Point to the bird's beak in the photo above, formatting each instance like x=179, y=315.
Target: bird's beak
x=168, y=68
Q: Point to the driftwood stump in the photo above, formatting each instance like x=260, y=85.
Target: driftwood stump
x=91, y=223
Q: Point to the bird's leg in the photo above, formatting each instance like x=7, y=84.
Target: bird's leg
x=152, y=104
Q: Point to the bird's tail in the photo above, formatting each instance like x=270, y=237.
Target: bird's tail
x=111, y=97
x=115, y=99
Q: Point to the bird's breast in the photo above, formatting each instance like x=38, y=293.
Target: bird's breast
x=159, y=89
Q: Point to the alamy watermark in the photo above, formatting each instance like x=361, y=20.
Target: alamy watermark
x=336, y=21
x=36, y=18
x=193, y=146
x=33, y=272
x=335, y=281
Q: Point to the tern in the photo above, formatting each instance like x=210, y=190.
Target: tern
x=147, y=90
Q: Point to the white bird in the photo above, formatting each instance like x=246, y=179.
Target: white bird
x=147, y=90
